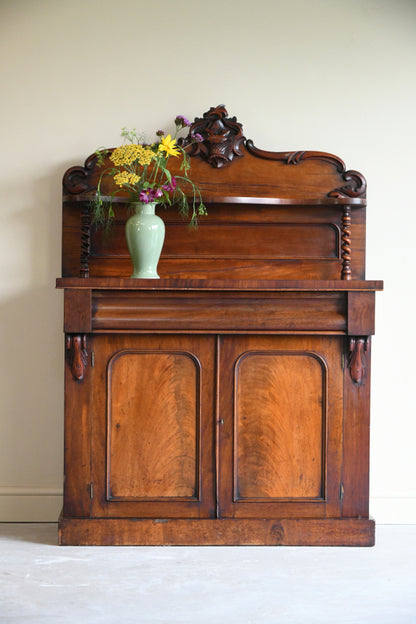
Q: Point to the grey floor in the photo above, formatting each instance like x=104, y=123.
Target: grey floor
x=41, y=582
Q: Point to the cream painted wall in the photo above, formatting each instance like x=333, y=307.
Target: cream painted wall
x=329, y=75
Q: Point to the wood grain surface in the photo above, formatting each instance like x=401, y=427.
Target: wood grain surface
x=280, y=414
x=228, y=402
x=225, y=532
x=153, y=424
x=280, y=445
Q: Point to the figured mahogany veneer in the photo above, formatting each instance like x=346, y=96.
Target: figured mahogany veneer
x=228, y=402
x=144, y=462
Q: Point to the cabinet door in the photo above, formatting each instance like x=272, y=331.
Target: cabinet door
x=280, y=426
x=153, y=426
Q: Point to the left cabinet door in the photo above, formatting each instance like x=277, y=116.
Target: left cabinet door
x=153, y=426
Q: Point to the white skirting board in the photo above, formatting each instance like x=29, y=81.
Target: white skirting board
x=45, y=504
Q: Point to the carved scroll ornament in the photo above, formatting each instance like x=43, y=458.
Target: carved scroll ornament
x=355, y=184
x=77, y=349
x=77, y=180
x=357, y=362
x=222, y=137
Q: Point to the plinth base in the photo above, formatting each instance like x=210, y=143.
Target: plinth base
x=216, y=532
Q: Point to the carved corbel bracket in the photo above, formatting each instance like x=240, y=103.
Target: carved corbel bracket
x=76, y=346
x=357, y=361
x=222, y=137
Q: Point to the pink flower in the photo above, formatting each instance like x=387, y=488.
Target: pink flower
x=150, y=195
x=144, y=196
x=171, y=186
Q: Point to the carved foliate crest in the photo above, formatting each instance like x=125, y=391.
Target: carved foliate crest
x=222, y=137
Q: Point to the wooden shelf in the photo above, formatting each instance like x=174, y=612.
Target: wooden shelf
x=236, y=199
x=119, y=283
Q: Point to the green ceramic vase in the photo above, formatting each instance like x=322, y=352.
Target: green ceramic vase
x=145, y=233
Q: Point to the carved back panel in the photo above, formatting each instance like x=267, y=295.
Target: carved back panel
x=271, y=215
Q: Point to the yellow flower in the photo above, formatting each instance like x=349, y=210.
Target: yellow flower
x=168, y=145
x=128, y=154
x=144, y=155
x=117, y=156
x=134, y=178
x=126, y=178
x=121, y=178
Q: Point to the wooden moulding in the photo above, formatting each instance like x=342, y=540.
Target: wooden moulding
x=216, y=312
x=216, y=532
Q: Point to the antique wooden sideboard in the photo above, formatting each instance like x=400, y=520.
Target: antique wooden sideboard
x=227, y=402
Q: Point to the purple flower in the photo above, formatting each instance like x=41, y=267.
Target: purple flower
x=144, y=196
x=150, y=195
x=171, y=186
x=182, y=121
x=160, y=133
x=197, y=137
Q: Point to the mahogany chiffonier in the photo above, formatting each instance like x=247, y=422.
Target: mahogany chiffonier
x=227, y=402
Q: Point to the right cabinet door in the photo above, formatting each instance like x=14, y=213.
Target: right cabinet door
x=280, y=426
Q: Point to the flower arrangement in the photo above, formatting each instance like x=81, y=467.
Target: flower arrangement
x=142, y=169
